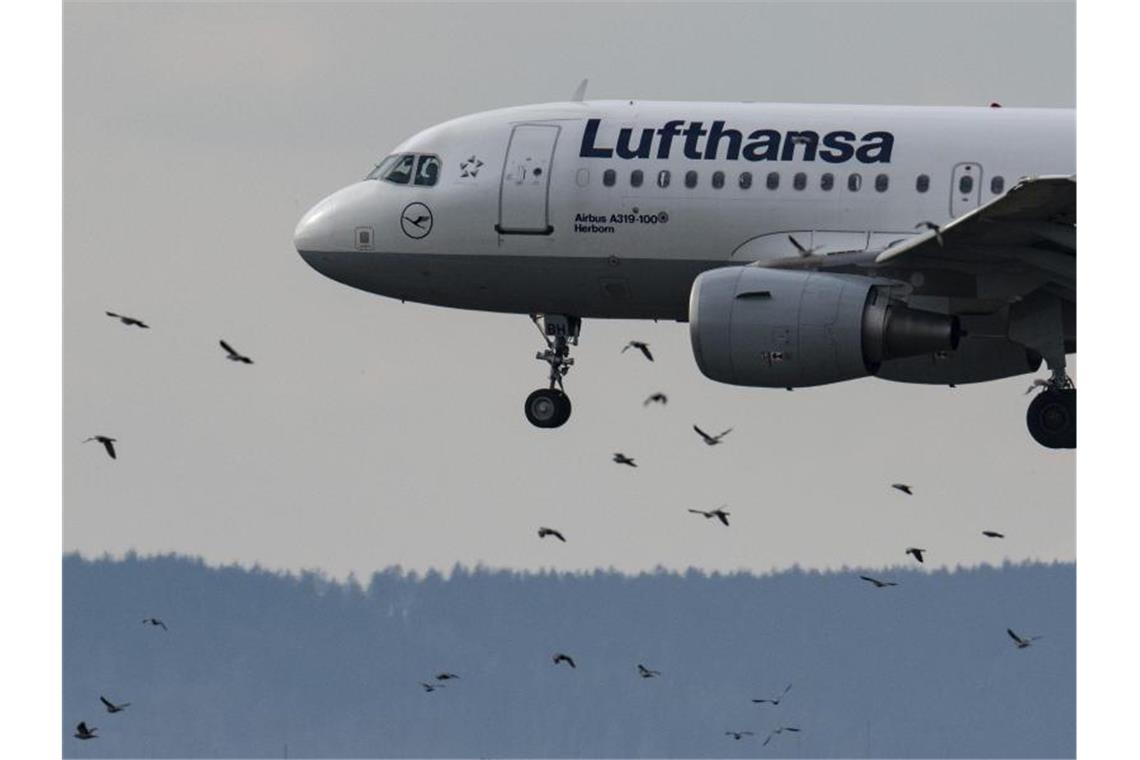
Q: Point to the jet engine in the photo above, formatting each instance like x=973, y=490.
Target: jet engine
x=780, y=328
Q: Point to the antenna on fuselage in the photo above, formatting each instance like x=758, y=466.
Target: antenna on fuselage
x=580, y=93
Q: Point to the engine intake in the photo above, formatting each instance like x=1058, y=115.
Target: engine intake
x=781, y=328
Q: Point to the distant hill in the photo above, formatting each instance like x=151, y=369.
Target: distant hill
x=254, y=661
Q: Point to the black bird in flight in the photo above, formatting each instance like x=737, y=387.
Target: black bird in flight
x=719, y=513
x=711, y=440
x=560, y=658
x=108, y=444
x=544, y=532
x=775, y=700
x=992, y=534
x=430, y=687
x=738, y=734
x=621, y=458
x=155, y=622
x=445, y=676
x=656, y=398
x=234, y=356
x=931, y=226
x=642, y=347
x=111, y=706
x=129, y=321
x=916, y=553
x=902, y=487
x=83, y=732
x=780, y=730
x=801, y=249
x=645, y=672
x=878, y=583
x=1021, y=641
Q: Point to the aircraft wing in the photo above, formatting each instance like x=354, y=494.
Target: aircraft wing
x=1029, y=231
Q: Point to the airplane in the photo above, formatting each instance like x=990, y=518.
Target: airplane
x=803, y=244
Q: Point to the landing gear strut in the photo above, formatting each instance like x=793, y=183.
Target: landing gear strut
x=1052, y=415
x=550, y=407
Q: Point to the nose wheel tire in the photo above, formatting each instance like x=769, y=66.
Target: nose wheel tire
x=547, y=408
x=1052, y=418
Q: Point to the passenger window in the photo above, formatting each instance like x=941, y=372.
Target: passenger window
x=882, y=181
x=922, y=183
x=827, y=181
x=401, y=171
x=690, y=178
x=663, y=178
x=854, y=182
x=799, y=182
x=745, y=180
x=718, y=180
x=427, y=171
x=966, y=184
x=636, y=177
x=997, y=184
x=609, y=177
x=773, y=180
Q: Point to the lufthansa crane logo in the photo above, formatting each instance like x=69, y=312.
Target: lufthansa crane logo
x=416, y=220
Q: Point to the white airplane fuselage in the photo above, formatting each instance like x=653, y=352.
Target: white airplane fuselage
x=538, y=209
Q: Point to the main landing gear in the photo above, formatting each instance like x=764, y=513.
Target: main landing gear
x=550, y=407
x=1052, y=415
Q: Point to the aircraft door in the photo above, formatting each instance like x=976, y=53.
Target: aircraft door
x=524, y=194
x=966, y=189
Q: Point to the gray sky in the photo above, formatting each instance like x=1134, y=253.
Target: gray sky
x=372, y=433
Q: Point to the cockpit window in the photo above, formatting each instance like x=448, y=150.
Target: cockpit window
x=427, y=170
x=379, y=170
x=401, y=171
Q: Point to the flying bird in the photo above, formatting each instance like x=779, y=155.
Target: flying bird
x=1038, y=383
x=445, y=676
x=916, y=553
x=621, y=458
x=992, y=534
x=711, y=440
x=774, y=700
x=1021, y=641
x=801, y=249
x=902, y=487
x=719, y=513
x=738, y=734
x=155, y=622
x=642, y=347
x=83, y=732
x=780, y=730
x=931, y=226
x=878, y=583
x=544, y=532
x=234, y=356
x=129, y=321
x=108, y=444
x=645, y=672
x=656, y=398
x=430, y=687
x=560, y=658
x=111, y=706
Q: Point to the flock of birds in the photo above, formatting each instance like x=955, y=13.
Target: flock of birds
x=720, y=514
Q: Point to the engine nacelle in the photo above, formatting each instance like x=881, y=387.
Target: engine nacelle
x=975, y=360
x=781, y=328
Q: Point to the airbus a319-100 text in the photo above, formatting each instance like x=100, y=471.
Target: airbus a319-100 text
x=803, y=244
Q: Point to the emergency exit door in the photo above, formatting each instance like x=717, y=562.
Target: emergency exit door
x=524, y=195
x=965, y=189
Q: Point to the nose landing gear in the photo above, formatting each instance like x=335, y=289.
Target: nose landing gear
x=550, y=407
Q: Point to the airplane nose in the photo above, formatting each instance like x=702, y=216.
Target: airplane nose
x=330, y=226
x=314, y=232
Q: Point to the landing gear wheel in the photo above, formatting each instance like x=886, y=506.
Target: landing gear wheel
x=1052, y=418
x=547, y=408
